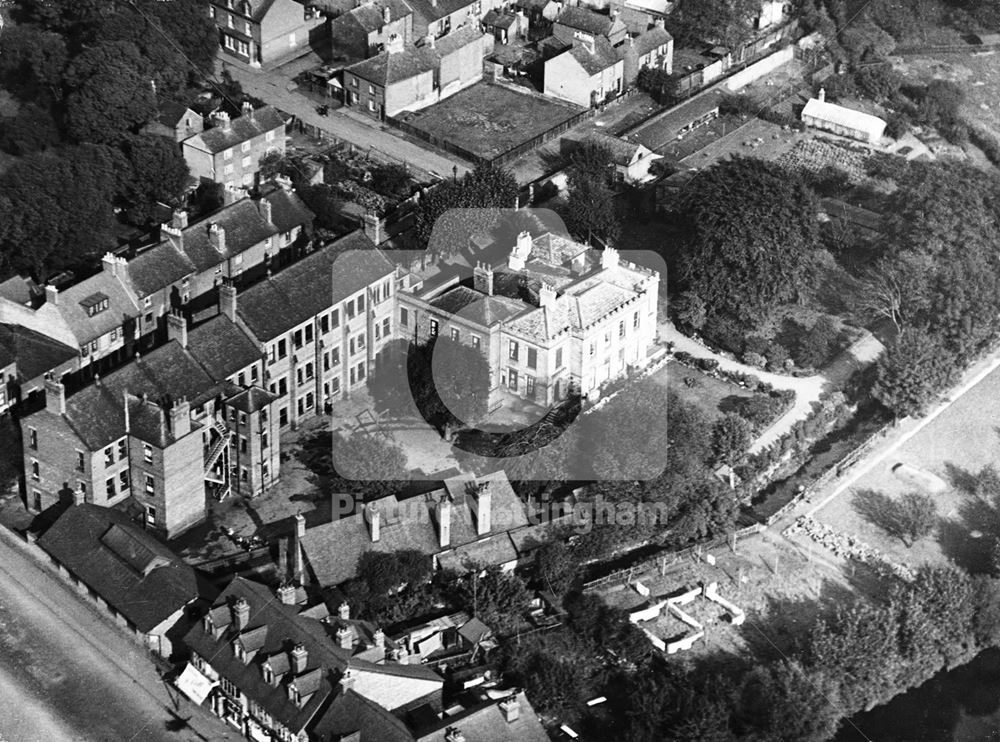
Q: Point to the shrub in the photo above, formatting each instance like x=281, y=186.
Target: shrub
x=724, y=333
x=840, y=86
x=756, y=344
x=754, y=359
x=684, y=357
x=707, y=364
x=760, y=411
x=777, y=355
x=898, y=124
x=816, y=346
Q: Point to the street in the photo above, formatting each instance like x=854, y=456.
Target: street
x=349, y=126
x=67, y=674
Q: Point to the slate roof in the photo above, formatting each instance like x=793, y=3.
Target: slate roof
x=34, y=353
x=251, y=400
x=121, y=304
x=243, y=225
x=273, y=628
x=137, y=575
x=333, y=549
x=584, y=19
x=287, y=210
x=499, y=19
x=350, y=712
x=651, y=39
x=478, y=307
x=169, y=371
x=222, y=347
x=241, y=129
x=171, y=113
x=96, y=414
x=20, y=289
x=369, y=17
x=429, y=11
x=595, y=62
x=305, y=289
x=391, y=67
x=488, y=723
x=159, y=266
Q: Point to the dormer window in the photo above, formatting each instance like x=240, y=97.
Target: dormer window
x=95, y=304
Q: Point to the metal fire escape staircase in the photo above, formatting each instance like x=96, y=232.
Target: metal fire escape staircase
x=219, y=450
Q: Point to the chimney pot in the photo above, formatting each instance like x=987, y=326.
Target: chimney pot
x=822, y=95
x=482, y=279
x=386, y=14
x=379, y=638
x=482, y=502
x=179, y=219
x=345, y=638
x=510, y=708
x=51, y=295
x=347, y=679
x=547, y=296
x=109, y=264
x=344, y=611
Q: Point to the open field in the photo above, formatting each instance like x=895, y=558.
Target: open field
x=959, y=441
x=714, y=397
x=488, y=120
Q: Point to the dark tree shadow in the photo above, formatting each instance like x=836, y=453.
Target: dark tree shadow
x=959, y=478
x=958, y=544
x=880, y=510
x=731, y=403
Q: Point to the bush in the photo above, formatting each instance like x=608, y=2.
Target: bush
x=760, y=411
x=838, y=87
x=754, y=359
x=898, y=124
x=818, y=343
x=684, y=357
x=756, y=344
x=724, y=333
x=777, y=355
x=707, y=364
x=988, y=143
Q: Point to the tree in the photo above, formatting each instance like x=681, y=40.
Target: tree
x=690, y=310
x=731, y=436
x=879, y=81
x=863, y=41
x=188, y=26
x=783, y=702
x=818, y=343
x=111, y=93
x=555, y=567
x=591, y=160
x=912, y=372
x=728, y=22
x=589, y=211
x=323, y=201
x=391, y=180
x=486, y=189
x=940, y=102
x=917, y=517
x=897, y=289
x=450, y=381
x=33, y=63
x=751, y=237
x=496, y=597
x=33, y=128
x=50, y=194
x=158, y=172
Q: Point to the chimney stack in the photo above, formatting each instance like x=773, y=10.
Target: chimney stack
x=379, y=638
x=177, y=328
x=374, y=517
x=609, y=258
x=265, y=209
x=510, y=707
x=821, y=97
x=299, y=658
x=394, y=44
x=55, y=395
x=109, y=264
x=179, y=220
x=660, y=23
x=227, y=301
x=241, y=613
x=222, y=120
x=547, y=296
x=286, y=593
x=300, y=533
x=346, y=680
x=217, y=236
x=453, y=734
x=482, y=278
x=180, y=418
x=246, y=109
x=344, y=611
x=345, y=638
x=444, y=521
x=521, y=252
x=482, y=501
x=51, y=295
x=386, y=15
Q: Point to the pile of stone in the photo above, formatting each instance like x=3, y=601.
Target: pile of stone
x=849, y=547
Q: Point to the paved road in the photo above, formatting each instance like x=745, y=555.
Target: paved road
x=359, y=130
x=68, y=674
x=807, y=388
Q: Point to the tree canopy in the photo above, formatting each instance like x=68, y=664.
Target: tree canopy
x=728, y=22
x=751, y=237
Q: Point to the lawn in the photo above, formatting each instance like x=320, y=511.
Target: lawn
x=714, y=397
x=487, y=120
x=961, y=440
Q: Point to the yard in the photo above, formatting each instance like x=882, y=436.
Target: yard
x=488, y=120
x=937, y=461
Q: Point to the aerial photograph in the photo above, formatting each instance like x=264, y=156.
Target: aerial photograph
x=500, y=370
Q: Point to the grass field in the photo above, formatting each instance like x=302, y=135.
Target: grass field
x=714, y=397
x=961, y=440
